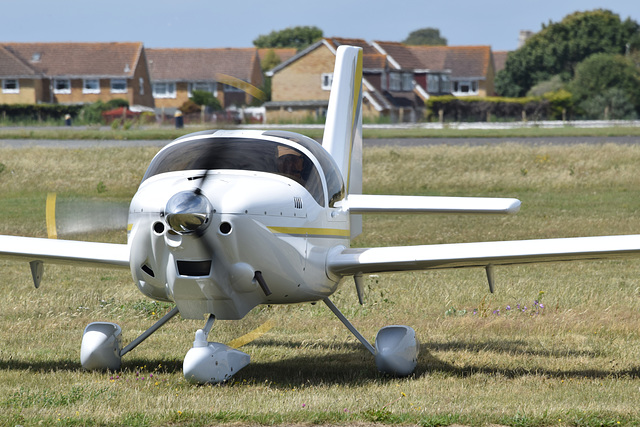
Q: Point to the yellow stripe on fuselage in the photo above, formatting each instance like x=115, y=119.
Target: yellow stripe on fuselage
x=310, y=232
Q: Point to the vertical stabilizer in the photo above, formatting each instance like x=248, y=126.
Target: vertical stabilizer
x=343, y=129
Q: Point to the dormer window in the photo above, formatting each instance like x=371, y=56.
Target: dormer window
x=36, y=57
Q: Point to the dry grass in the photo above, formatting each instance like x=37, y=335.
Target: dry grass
x=575, y=362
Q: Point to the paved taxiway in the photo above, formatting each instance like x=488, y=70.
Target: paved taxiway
x=397, y=142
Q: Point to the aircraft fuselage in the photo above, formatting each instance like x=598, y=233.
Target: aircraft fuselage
x=260, y=222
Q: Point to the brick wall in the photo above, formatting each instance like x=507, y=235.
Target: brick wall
x=301, y=80
x=27, y=95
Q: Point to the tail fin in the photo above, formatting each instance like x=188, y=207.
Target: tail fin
x=343, y=129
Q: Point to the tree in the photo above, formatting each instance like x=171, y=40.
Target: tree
x=425, y=36
x=203, y=97
x=607, y=80
x=554, y=84
x=613, y=104
x=559, y=47
x=270, y=60
x=297, y=37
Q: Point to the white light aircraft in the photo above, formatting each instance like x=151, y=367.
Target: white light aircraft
x=226, y=220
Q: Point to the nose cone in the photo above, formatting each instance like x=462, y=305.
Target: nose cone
x=188, y=212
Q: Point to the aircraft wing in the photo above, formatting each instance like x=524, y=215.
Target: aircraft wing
x=64, y=251
x=364, y=203
x=349, y=261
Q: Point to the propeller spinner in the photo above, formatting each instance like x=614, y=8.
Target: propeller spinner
x=188, y=212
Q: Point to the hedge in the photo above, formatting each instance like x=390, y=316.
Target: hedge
x=17, y=112
x=549, y=107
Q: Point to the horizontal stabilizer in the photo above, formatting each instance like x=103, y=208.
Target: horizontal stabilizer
x=64, y=251
x=455, y=255
x=362, y=204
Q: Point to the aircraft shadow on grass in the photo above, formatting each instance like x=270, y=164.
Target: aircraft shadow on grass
x=349, y=363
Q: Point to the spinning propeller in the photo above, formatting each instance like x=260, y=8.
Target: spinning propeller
x=68, y=216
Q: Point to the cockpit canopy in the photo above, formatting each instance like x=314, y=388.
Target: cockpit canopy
x=250, y=154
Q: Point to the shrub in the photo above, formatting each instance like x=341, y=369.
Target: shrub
x=38, y=112
x=498, y=108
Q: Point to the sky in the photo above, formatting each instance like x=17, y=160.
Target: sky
x=213, y=23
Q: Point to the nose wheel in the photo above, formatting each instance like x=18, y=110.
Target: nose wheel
x=212, y=362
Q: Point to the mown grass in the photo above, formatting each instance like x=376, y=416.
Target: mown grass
x=572, y=358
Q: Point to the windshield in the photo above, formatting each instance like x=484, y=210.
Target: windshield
x=240, y=154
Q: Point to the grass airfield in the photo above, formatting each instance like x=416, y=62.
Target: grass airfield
x=557, y=344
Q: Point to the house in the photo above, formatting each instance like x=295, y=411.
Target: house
x=74, y=73
x=230, y=74
x=301, y=86
x=397, y=79
x=438, y=70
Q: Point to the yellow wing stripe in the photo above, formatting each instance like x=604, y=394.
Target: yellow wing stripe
x=310, y=231
x=51, y=216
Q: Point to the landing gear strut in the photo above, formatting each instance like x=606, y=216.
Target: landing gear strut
x=396, y=347
x=206, y=362
x=102, y=341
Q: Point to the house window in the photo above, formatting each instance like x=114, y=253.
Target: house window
x=10, y=86
x=433, y=83
x=164, y=90
x=407, y=82
x=62, y=86
x=141, y=84
x=327, y=80
x=203, y=86
x=395, y=82
x=118, y=85
x=465, y=87
x=445, y=84
x=91, y=86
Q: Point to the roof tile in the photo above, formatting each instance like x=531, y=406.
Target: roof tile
x=78, y=59
x=201, y=64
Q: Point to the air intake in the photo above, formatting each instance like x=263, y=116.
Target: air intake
x=194, y=268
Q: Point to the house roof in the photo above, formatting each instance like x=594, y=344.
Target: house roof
x=201, y=64
x=12, y=66
x=284, y=53
x=367, y=49
x=371, y=60
x=75, y=59
x=400, y=56
x=499, y=59
x=463, y=61
x=468, y=61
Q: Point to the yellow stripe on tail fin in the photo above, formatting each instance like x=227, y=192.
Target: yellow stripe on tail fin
x=343, y=129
